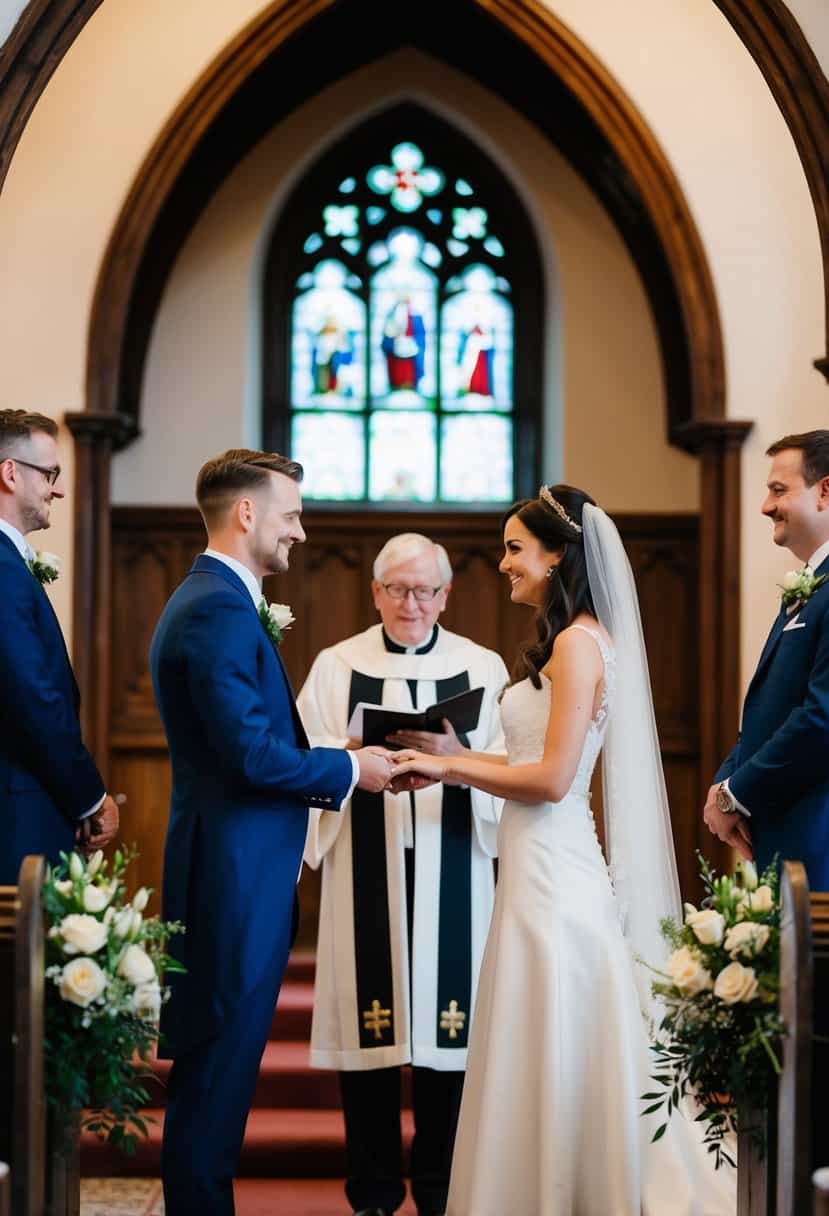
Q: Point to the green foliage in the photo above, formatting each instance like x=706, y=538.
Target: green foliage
x=718, y=1041
x=99, y=1040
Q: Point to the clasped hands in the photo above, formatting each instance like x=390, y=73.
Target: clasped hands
x=423, y=761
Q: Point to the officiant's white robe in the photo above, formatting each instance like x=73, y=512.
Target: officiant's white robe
x=453, y=833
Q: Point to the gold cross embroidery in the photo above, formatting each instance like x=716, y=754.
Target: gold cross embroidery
x=452, y=1019
x=376, y=1019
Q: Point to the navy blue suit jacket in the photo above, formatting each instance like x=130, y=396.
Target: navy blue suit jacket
x=48, y=780
x=779, y=768
x=243, y=778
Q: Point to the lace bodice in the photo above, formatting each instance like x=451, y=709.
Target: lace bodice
x=525, y=712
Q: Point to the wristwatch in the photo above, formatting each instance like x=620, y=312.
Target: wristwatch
x=725, y=800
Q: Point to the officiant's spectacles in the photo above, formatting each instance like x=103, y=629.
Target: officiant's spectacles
x=398, y=591
x=51, y=475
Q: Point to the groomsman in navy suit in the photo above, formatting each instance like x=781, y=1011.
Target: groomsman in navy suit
x=51, y=793
x=771, y=794
x=243, y=779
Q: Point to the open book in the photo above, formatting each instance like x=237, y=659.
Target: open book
x=373, y=723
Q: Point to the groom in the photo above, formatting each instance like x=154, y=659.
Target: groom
x=771, y=794
x=243, y=778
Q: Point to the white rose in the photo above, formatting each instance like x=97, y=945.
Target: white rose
x=64, y=886
x=146, y=1001
x=687, y=972
x=50, y=560
x=75, y=866
x=94, y=863
x=747, y=937
x=736, y=983
x=140, y=899
x=136, y=966
x=82, y=934
x=82, y=981
x=95, y=899
x=123, y=922
x=281, y=615
x=760, y=900
x=791, y=581
x=708, y=926
x=690, y=909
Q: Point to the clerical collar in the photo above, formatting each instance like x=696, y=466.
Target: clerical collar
x=396, y=648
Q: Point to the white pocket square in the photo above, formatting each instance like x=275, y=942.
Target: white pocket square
x=795, y=624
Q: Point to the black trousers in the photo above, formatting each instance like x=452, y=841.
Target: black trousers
x=374, y=1149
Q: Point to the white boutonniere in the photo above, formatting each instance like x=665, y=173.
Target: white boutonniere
x=45, y=566
x=800, y=585
x=276, y=618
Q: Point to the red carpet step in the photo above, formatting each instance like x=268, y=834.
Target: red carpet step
x=295, y=1129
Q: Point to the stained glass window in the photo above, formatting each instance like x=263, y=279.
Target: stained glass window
x=407, y=291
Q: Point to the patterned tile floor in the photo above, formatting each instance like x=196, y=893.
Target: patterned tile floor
x=254, y=1197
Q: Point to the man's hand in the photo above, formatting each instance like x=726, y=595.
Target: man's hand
x=432, y=743
x=100, y=829
x=733, y=829
x=375, y=768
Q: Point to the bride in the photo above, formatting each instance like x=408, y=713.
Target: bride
x=550, y=1121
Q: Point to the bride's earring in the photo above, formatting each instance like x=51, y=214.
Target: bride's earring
x=551, y=572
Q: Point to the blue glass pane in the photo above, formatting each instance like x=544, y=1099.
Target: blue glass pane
x=403, y=325
x=348, y=186
x=463, y=187
x=352, y=245
x=313, y=243
x=493, y=245
x=328, y=343
x=457, y=248
x=331, y=449
x=402, y=457
x=434, y=215
x=476, y=459
x=375, y=214
x=341, y=221
x=406, y=181
x=476, y=345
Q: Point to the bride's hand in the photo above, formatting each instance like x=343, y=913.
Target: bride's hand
x=434, y=768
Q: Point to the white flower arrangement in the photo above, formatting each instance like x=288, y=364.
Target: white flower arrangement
x=45, y=566
x=799, y=586
x=105, y=962
x=276, y=618
x=718, y=1038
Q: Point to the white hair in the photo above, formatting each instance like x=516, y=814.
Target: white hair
x=405, y=546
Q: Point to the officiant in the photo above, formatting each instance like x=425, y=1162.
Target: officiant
x=407, y=886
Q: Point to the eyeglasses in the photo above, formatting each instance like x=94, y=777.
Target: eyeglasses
x=51, y=475
x=398, y=591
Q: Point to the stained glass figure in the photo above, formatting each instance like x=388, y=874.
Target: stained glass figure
x=331, y=448
x=476, y=458
x=403, y=323
x=476, y=344
x=328, y=342
x=405, y=180
x=402, y=457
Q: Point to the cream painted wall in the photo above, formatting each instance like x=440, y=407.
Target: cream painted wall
x=813, y=18
x=603, y=378
x=682, y=65
x=10, y=10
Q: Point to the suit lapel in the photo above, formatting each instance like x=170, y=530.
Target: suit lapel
x=779, y=625
x=205, y=564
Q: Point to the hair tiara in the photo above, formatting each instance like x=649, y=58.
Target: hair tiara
x=546, y=497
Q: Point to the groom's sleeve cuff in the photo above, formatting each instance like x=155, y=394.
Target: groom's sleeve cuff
x=743, y=810
x=355, y=777
x=93, y=811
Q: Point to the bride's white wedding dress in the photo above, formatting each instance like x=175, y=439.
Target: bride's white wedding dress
x=550, y=1122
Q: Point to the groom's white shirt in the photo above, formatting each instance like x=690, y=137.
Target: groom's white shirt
x=28, y=554
x=18, y=540
x=254, y=586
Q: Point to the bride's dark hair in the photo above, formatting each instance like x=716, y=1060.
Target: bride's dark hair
x=568, y=590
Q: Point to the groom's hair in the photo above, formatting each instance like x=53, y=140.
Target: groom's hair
x=814, y=446
x=226, y=478
x=17, y=425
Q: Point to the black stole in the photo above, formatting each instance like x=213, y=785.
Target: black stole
x=372, y=932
